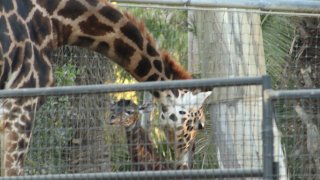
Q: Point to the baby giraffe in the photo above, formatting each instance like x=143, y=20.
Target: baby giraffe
x=144, y=156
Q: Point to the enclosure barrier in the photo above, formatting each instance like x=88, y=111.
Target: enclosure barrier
x=264, y=5
x=146, y=86
x=172, y=174
x=268, y=165
x=299, y=107
x=293, y=94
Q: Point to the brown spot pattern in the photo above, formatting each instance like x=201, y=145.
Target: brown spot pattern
x=94, y=27
x=83, y=41
x=77, y=10
x=143, y=68
x=50, y=6
x=123, y=50
x=151, y=51
x=111, y=13
x=158, y=65
x=153, y=77
x=6, y=5
x=133, y=33
x=39, y=27
x=24, y=8
x=63, y=31
x=19, y=29
x=103, y=47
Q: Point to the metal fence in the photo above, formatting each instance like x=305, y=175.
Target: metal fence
x=271, y=5
x=296, y=114
x=48, y=152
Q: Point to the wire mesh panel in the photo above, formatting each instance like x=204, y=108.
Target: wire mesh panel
x=298, y=121
x=68, y=137
x=192, y=143
x=237, y=128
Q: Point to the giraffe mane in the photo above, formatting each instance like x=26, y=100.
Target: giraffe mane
x=178, y=71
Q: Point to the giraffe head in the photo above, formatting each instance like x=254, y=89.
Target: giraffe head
x=180, y=105
x=126, y=113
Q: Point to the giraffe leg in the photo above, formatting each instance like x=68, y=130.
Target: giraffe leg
x=17, y=134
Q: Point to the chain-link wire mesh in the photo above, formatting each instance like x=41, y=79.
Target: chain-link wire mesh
x=55, y=138
x=298, y=122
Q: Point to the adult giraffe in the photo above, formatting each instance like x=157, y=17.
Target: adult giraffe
x=31, y=29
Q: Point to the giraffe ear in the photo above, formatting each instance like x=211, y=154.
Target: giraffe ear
x=192, y=99
x=112, y=105
x=146, y=107
x=200, y=97
x=203, y=95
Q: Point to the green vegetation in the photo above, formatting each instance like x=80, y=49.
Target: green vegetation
x=278, y=34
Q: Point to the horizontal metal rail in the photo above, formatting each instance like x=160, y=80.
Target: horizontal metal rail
x=293, y=94
x=174, y=174
x=266, y=5
x=143, y=86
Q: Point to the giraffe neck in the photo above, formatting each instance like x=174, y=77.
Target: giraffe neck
x=102, y=28
x=141, y=150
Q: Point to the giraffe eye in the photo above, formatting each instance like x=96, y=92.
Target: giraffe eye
x=129, y=112
x=182, y=112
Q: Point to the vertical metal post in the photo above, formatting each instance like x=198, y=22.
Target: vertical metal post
x=145, y=118
x=267, y=131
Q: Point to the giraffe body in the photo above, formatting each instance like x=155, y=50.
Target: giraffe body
x=31, y=29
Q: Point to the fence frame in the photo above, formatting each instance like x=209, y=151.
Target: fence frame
x=305, y=6
x=267, y=134
x=142, y=86
x=269, y=166
x=155, y=175
x=273, y=95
